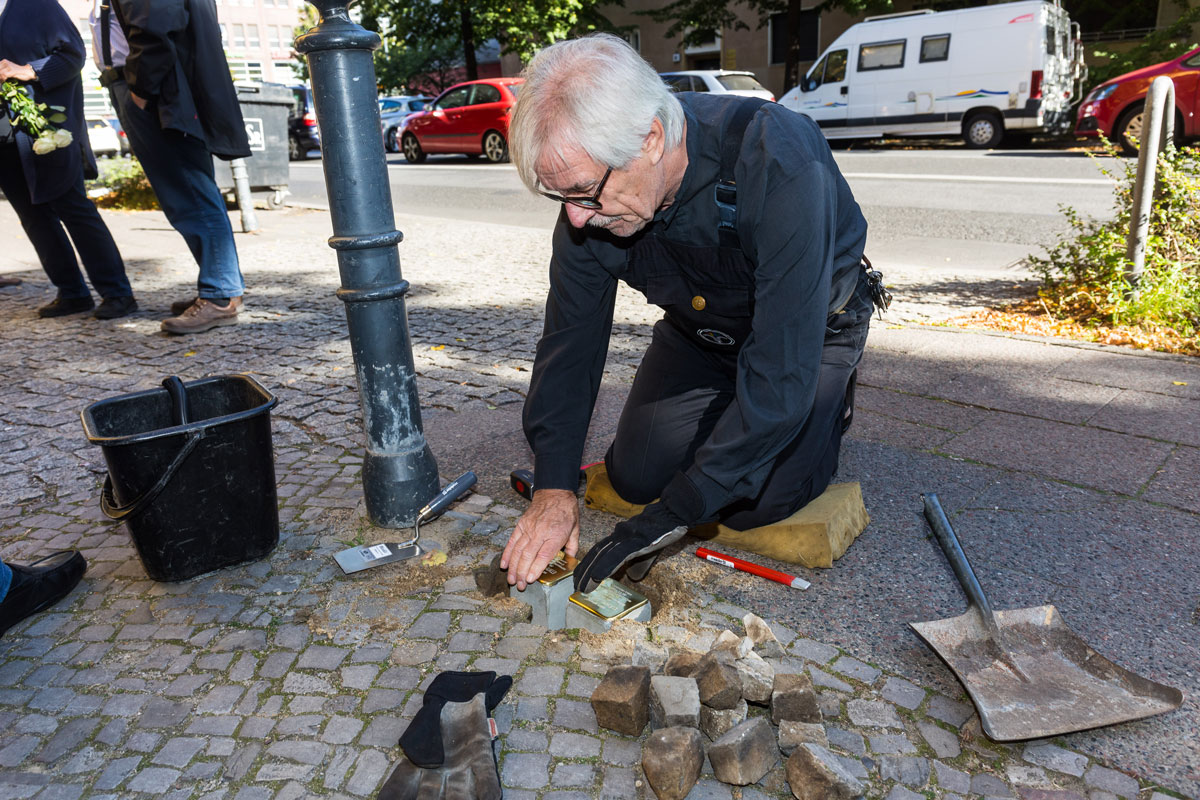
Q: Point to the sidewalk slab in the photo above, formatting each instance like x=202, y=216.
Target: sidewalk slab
x=1084, y=456
x=1176, y=483
x=1158, y=416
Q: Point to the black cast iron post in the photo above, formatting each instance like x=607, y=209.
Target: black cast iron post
x=399, y=472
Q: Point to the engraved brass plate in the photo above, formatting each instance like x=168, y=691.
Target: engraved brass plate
x=610, y=600
x=563, y=566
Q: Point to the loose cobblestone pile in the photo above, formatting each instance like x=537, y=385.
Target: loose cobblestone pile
x=284, y=679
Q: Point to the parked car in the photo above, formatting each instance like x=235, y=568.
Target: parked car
x=393, y=111
x=977, y=73
x=1114, y=108
x=723, y=81
x=116, y=126
x=303, y=134
x=103, y=138
x=469, y=118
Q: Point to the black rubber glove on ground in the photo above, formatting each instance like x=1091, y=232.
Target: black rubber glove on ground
x=448, y=745
x=638, y=540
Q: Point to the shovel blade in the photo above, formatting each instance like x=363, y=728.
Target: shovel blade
x=1063, y=686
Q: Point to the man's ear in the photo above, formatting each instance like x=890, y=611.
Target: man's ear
x=654, y=145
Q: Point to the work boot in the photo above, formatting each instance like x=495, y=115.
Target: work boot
x=115, y=307
x=6, y=281
x=180, y=306
x=203, y=315
x=40, y=585
x=61, y=307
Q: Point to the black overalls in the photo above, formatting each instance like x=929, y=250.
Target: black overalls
x=688, y=375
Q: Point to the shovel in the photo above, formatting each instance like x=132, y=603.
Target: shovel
x=1028, y=674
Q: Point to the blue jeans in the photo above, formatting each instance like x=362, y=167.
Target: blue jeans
x=5, y=580
x=180, y=169
x=44, y=223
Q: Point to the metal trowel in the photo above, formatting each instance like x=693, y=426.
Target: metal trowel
x=356, y=559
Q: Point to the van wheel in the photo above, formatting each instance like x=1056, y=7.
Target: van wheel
x=983, y=129
x=413, y=153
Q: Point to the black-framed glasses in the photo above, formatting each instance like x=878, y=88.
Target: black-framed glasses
x=590, y=203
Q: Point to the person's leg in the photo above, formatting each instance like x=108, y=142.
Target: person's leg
x=44, y=230
x=93, y=240
x=36, y=587
x=678, y=394
x=804, y=469
x=180, y=170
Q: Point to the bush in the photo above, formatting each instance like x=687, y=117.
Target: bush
x=1084, y=277
x=127, y=185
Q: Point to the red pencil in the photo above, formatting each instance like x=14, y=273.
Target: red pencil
x=753, y=569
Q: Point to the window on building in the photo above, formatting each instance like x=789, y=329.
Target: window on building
x=808, y=36
x=244, y=70
x=881, y=55
x=273, y=37
x=935, y=48
x=634, y=37
x=252, y=36
x=239, y=36
x=269, y=3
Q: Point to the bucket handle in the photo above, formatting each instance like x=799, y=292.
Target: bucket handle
x=108, y=503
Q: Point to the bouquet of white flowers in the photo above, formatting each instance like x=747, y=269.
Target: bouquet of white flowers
x=36, y=119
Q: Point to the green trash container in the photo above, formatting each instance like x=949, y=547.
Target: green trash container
x=265, y=109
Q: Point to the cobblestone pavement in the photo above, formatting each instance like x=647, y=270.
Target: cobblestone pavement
x=285, y=679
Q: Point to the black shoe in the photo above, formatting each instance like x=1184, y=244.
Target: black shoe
x=61, y=307
x=40, y=585
x=180, y=306
x=114, y=307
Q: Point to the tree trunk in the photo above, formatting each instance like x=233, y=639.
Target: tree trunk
x=468, y=40
x=791, y=66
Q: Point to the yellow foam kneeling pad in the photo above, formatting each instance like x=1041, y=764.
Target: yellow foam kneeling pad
x=814, y=536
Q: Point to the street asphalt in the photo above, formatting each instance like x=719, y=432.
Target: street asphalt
x=1068, y=470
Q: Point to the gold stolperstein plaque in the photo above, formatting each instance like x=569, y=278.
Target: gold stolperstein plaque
x=563, y=566
x=610, y=600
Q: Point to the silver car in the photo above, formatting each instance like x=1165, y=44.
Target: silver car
x=392, y=112
x=726, y=81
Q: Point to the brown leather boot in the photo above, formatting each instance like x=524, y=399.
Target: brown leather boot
x=203, y=315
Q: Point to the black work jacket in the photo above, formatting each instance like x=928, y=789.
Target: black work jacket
x=802, y=234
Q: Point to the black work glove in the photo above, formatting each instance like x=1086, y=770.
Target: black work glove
x=638, y=540
x=448, y=745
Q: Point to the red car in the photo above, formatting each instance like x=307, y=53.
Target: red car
x=1114, y=108
x=470, y=118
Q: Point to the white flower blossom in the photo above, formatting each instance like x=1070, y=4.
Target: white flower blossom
x=62, y=137
x=44, y=144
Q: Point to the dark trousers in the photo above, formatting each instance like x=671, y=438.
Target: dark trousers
x=44, y=223
x=180, y=170
x=680, y=392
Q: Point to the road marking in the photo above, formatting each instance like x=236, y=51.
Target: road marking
x=423, y=167
x=900, y=176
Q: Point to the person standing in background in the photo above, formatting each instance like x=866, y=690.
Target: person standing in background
x=165, y=70
x=40, y=47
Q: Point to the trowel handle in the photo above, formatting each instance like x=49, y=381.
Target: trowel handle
x=957, y=558
x=449, y=493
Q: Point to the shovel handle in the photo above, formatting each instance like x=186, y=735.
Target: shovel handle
x=957, y=558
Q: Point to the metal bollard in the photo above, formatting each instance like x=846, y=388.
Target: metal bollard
x=399, y=472
x=245, y=200
x=1158, y=131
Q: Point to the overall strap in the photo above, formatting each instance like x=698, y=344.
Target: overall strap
x=725, y=192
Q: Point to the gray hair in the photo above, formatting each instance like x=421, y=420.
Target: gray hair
x=595, y=93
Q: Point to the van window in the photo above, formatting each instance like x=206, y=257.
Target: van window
x=830, y=69
x=1051, y=41
x=881, y=55
x=935, y=48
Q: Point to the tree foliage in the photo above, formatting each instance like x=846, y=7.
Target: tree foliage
x=1163, y=44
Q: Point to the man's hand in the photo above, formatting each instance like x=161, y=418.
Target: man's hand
x=636, y=540
x=550, y=524
x=17, y=72
x=140, y=102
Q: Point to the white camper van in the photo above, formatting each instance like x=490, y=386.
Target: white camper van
x=975, y=73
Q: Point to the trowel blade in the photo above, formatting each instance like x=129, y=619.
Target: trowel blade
x=356, y=559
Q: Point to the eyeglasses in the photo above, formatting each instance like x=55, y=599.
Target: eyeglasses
x=590, y=203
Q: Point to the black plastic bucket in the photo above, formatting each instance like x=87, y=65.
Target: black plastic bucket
x=197, y=495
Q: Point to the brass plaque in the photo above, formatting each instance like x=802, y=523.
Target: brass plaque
x=610, y=600
x=698, y=303
x=563, y=566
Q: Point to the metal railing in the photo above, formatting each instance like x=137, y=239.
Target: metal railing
x=1158, y=133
